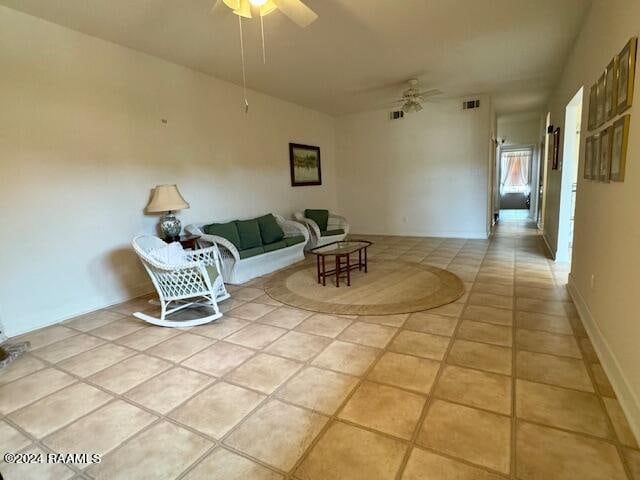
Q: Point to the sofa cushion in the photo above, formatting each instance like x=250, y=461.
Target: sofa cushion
x=328, y=233
x=227, y=230
x=294, y=240
x=249, y=232
x=251, y=252
x=321, y=217
x=270, y=231
x=270, y=247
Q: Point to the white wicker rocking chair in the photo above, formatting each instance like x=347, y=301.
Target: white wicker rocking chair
x=182, y=284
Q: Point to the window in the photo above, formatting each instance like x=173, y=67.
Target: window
x=515, y=171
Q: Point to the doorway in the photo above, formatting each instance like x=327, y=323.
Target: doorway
x=515, y=168
x=570, y=156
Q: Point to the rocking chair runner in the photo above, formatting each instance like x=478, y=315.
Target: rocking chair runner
x=195, y=283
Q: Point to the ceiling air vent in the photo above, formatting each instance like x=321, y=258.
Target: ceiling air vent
x=469, y=104
x=397, y=115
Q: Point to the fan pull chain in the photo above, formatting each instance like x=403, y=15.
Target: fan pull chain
x=244, y=77
x=264, y=51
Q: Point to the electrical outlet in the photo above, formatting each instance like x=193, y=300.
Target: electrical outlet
x=593, y=281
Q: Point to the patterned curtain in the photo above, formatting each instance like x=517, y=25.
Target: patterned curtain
x=515, y=171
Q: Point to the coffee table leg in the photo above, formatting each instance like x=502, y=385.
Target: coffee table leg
x=324, y=273
x=337, y=270
x=318, y=266
x=348, y=270
x=365, y=260
x=360, y=260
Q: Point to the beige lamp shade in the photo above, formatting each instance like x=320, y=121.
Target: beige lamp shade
x=166, y=198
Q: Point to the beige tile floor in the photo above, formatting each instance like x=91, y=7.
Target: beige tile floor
x=503, y=383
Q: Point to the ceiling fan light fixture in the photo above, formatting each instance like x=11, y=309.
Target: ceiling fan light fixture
x=267, y=7
x=258, y=3
x=411, y=107
x=243, y=9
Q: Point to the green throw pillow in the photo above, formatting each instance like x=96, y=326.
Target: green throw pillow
x=321, y=217
x=227, y=230
x=270, y=231
x=249, y=231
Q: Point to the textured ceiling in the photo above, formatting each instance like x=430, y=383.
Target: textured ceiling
x=358, y=54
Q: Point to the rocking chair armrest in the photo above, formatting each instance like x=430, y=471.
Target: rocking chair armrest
x=291, y=228
x=221, y=242
x=189, y=264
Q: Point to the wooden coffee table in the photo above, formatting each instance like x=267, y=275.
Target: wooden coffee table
x=341, y=251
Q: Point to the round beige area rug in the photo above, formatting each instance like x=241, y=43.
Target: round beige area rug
x=389, y=287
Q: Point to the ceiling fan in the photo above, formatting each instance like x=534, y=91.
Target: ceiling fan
x=412, y=98
x=297, y=11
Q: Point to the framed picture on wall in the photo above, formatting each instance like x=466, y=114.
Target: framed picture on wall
x=595, y=166
x=605, y=154
x=620, y=138
x=610, y=87
x=304, y=162
x=555, y=164
x=593, y=104
x=600, y=102
x=588, y=158
x=626, y=75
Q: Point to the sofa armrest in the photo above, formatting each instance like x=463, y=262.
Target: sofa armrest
x=223, y=245
x=336, y=221
x=292, y=229
x=312, y=227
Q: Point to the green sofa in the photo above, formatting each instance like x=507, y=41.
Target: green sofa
x=253, y=247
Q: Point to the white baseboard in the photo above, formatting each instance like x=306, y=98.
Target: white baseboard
x=136, y=292
x=464, y=235
x=628, y=400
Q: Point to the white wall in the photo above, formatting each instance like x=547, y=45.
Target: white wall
x=82, y=144
x=519, y=129
x=426, y=174
x=607, y=230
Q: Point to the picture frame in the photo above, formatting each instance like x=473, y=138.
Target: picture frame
x=595, y=166
x=588, y=158
x=305, y=165
x=610, y=89
x=619, y=141
x=593, y=104
x=605, y=154
x=600, y=101
x=625, y=75
x=555, y=164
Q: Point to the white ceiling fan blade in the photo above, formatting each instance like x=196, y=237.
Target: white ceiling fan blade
x=297, y=11
x=232, y=4
x=430, y=93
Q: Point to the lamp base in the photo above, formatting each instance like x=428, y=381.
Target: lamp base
x=171, y=227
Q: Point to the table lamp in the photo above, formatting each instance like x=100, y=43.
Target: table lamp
x=167, y=198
